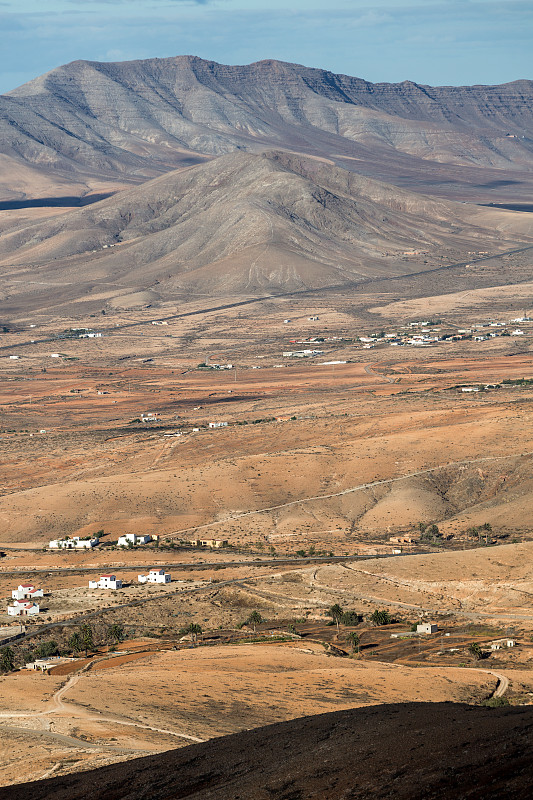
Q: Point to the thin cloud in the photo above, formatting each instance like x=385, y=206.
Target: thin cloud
x=431, y=42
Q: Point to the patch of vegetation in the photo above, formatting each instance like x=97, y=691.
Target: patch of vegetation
x=517, y=381
x=381, y=617
x=7, y=659
x=495, y=702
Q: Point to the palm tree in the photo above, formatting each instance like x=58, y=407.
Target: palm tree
x=355, y=641
x=86, y=634
x=75, y=642
x=195, y=630
x=7, y=659
x=254, y=619
x=115, y=633
x=336, y=614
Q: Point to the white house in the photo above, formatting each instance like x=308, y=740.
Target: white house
x=23, y=608
x=150, y=416
x=106, y=582
x=46, y=664
x=76, y=543
x=208, y=543
x=500, y=643
x=426, y=627
x=26, y=591
x=155, y=576
x=131, y=539
x=218, y=424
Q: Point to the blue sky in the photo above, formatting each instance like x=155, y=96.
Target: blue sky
x=437, y=42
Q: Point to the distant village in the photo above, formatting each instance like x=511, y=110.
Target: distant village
x=419, y=333
x=25, y=598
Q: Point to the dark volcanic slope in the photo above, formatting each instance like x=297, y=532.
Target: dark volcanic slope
x=135, y=119
x=417, y=751
x=242, y=223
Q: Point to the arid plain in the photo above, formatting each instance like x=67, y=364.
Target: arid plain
x=326, y=456
x=303, y=338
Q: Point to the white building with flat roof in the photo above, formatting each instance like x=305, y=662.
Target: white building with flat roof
x=155, y=576
x=106, y=582
x=426, y=627
x=132, y=540
x=76, y=543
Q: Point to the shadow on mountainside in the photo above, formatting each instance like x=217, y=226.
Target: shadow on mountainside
x=411, y=751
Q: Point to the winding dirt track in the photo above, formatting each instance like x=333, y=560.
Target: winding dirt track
x=57, y=705
x=352, y=489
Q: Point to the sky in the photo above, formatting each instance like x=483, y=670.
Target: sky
x=435, y=42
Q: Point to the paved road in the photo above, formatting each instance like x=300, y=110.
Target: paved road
x=303, y=292
x=216, y=565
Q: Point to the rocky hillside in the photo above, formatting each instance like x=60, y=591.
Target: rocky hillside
x=245, y=223
x=132, y=120
x=441, y=751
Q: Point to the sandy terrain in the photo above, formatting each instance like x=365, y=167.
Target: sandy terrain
x=336, y=457
x=200, y=694
x=117, y=477
x=438, y=750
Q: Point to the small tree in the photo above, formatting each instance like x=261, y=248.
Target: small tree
x=354, y=640
x=254, y=619
x=7, y=659
x=46, y=649
x=115, y=633
x=75, y=642
x=87, y=637
x=430, y=533
x=336, y=613
x=486, y=528
x=475, y=650
x=350, y=618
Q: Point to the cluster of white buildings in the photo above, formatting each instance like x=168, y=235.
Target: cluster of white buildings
x=24, y=604
x=426, y=335
x=150, y=416
x=76, y=543
x=302, y=353
x=87, y=543
x=110, y=581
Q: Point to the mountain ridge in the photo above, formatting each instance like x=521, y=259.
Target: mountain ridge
x=242, y=224
x=248, y=223
x=132, y=120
